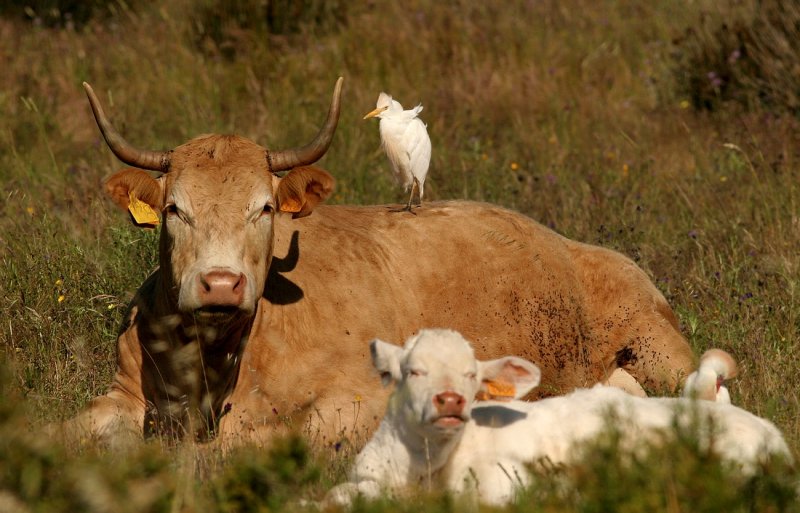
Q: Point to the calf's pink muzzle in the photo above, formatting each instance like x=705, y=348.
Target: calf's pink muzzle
x=450, y=408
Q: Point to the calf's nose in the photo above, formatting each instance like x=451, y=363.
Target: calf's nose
x=221, y=288
x=449, y=403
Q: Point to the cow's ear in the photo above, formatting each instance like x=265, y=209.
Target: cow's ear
x=302, y=189
x=135, y=185
x=386, y=359
x=507, y=378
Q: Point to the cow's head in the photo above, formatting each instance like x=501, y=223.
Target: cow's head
x=218, y=196
x=437, y=378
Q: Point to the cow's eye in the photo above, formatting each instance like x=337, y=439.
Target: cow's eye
x=416, y=372
x=171, y=209
x=268, y=209
x=470, y=375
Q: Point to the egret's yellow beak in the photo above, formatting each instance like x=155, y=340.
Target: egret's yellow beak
x=375, y=112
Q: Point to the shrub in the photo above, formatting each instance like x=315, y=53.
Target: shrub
x=39, y=475
x=228, y=24
x=61, y=13
x=745, y=53
x=263, y=480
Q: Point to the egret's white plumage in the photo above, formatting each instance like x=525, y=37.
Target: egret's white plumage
x=405, y=140
x=707, y=381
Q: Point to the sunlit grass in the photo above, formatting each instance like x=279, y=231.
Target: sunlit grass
x=570, y=112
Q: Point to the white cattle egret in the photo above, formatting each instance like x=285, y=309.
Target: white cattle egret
x=405, y=140
x=707, y=381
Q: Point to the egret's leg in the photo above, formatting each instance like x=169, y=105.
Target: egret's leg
x=420, y=185
x=411, y=197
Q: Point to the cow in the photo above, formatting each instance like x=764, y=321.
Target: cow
x=435, y=433
x=254, y=322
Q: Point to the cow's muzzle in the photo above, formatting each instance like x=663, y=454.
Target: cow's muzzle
x=449, y=409
x=220, y=290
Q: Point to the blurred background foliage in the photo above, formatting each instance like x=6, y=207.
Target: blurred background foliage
x=664, y=130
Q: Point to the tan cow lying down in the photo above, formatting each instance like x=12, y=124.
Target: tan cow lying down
x=257, y=315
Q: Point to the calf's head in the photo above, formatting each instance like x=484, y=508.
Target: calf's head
x=218, y=196
x=437, y=378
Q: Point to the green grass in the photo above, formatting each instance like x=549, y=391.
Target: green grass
x=578, y=113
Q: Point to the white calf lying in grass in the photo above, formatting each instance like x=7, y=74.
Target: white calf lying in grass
x=433, y=433
x=706, y=382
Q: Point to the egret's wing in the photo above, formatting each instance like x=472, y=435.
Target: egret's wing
x=723, y=396
x=392, y=141
x=690, y=386
x=418, y=147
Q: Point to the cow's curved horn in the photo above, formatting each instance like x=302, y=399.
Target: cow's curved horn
x=312, y=152
x=144, y=159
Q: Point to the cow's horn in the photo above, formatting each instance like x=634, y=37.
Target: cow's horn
x=155, y=160
x=312, y=152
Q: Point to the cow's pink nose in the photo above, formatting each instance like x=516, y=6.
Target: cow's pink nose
x=449, y=403
x=221, y=288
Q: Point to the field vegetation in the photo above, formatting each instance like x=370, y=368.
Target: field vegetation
x=665, y=130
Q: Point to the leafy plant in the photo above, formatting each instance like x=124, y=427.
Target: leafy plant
x=744, y=53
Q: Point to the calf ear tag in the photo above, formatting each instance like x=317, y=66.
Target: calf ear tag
x=500, y=390
x=142, y=213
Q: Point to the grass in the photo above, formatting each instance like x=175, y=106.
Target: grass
x=576, y=113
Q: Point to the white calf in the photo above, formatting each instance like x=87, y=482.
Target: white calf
x=433, y=434
x=716, y=366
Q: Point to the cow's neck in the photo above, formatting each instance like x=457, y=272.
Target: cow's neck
x=203, y=360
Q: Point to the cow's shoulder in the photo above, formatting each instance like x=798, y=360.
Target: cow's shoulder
x=143, y=304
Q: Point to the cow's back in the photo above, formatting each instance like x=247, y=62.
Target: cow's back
x=504, y=281
x=346, y=275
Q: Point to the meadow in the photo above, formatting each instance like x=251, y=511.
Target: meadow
x=665, y=130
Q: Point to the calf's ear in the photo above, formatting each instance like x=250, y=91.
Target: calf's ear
x=507, y=378
x=302, y=189
x=386, y=359
x=139, y=193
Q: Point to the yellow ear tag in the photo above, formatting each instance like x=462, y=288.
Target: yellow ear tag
x=142, y=212
x=290, y=205
x=500, y=390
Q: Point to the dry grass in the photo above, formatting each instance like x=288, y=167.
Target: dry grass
x=571, y=112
